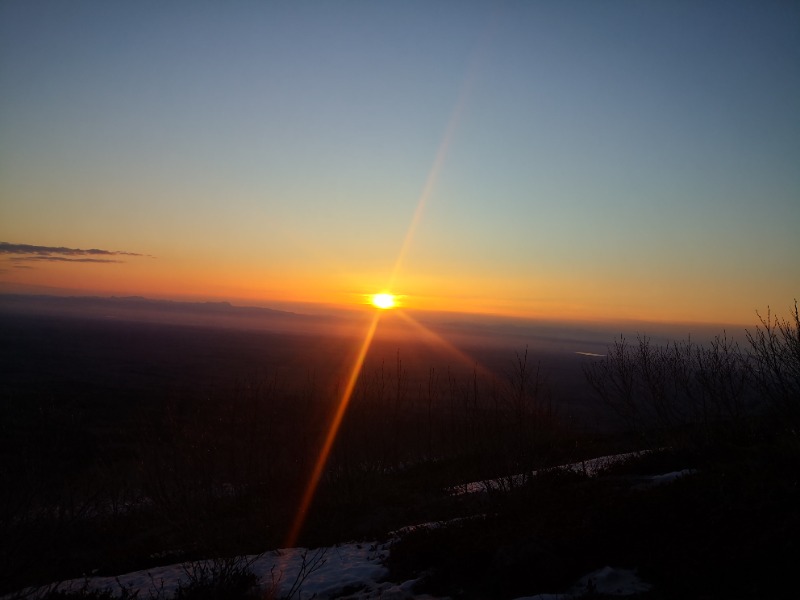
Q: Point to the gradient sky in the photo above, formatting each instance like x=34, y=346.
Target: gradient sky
x=546, y=159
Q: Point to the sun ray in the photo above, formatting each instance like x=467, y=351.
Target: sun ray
x=333, y=430
x=437, y=340
x=430, y=182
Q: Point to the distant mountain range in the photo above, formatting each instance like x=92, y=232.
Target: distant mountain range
x=138, y=303
x=168, y=312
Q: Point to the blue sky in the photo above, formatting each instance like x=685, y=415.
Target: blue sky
x=596, y=159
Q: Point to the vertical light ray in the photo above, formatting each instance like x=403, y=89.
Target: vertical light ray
x=333, y=430
x=423, y=198
x=444, y=147
x=430, y=182
x=330, y=437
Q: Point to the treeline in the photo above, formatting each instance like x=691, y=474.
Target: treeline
x=702, y=393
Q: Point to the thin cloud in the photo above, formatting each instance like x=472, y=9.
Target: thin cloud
x=50, y=251
x=64, y=259
x=18, y=254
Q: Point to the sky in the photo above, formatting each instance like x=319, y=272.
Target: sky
x=570, y=160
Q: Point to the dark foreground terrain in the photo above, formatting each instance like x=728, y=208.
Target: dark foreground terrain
x=127, y=444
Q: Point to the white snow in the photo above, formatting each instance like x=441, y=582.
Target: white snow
x=590, y=467
x=357, y=571
x=607, y=581
x=612, y=582
x=329, y=572
x=431, y=525
x=654, y=480
x=347, y=571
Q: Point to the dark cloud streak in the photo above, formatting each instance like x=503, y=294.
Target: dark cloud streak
x=47, y=251
x=64, y=259
x=28, y=253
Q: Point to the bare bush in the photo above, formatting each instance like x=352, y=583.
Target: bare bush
x=674, y=387
x=642, y=383
x=309, y=564
x=775, y=362
x=713, y=389
x=229, y=578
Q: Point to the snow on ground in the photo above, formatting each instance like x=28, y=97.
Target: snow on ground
x=357, y=571
x=431, y=525
x=347, y=571
x=613, y=582
x=590, y=467
x=607, y=581
x=321, y=573
x=654, y=480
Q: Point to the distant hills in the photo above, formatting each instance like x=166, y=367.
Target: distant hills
x=136, y=303
x=141, y=309
x=482, y=330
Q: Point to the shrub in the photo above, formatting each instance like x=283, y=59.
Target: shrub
x=84, y=593
x=671, y=387
x=775, y=364
x=219, y=579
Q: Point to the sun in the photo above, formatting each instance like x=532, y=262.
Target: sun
x=383, y=301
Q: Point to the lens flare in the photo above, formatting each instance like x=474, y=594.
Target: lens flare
x=382, y=301
x=333, y=430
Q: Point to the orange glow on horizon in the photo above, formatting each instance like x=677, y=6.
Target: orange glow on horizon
x=564, y=299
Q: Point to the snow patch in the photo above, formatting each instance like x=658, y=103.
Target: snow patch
x=590, y=467
x=331, y=572
x=612, y=582
x=606, y=581
x=656, y=480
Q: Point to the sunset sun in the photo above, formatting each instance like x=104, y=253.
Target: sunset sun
x=383, y=301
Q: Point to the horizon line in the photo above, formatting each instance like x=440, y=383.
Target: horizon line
x=280, y=306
